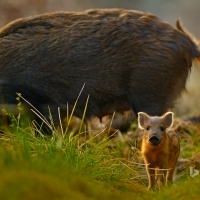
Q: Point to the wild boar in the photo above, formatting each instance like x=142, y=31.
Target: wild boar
x=160, y=147
x=127, y=60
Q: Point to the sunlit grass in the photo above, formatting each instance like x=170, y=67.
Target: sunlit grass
x=69, y=166
x=53, y=167
x=65, y=165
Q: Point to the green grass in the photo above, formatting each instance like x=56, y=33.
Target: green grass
x=73, y=167
x=56, y=168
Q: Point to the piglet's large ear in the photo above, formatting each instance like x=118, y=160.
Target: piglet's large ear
x=168, y=119
x=142, y=119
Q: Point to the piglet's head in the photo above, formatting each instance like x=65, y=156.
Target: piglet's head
x=154, y=127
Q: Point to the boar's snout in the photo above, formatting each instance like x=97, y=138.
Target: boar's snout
x=154, y=139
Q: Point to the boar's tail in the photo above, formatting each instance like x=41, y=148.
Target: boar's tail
x=179, y=27
x=195, y=50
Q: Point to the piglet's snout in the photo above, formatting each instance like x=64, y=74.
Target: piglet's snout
x=155, y=139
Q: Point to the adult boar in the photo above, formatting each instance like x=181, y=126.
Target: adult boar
x=126, y=59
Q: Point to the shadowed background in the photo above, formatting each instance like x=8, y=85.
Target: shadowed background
x=169, y=11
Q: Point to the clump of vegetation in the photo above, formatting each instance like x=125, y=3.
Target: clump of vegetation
x=78, y=166
x=63, y=166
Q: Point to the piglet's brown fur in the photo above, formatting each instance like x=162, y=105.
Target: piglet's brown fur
x=160, y=147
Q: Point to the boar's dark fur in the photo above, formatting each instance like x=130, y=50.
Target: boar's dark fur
x=127, y=60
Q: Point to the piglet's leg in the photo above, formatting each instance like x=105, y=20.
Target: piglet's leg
x=170, y=173
x=151, y=176
x=161, y=176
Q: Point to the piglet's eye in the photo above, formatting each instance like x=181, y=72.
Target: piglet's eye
x=162, y=128
x=148, y=128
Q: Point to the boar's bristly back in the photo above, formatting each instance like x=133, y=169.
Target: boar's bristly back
x=125, y=59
